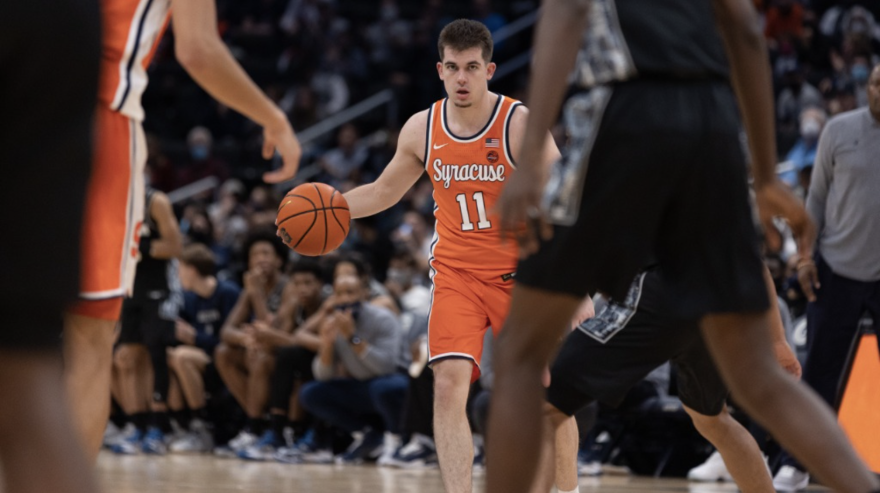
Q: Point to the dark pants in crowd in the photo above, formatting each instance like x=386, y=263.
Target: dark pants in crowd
x=292, y=364
x=354, y=405
x=418, y=410
x=832, y=324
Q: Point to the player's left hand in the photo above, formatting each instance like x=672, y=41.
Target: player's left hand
x=520, y=204
x=787, y=359
x=279, y=136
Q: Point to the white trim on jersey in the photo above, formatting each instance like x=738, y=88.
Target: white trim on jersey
x=433, y=360
x=506, y=133
x=495, y=111
x=434, y=240
x=147, y=23
x=103, y=295
x=429, y=136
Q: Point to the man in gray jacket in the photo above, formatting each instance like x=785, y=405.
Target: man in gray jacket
x=843, y=281
x=355, y=368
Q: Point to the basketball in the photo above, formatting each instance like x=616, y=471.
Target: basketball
x=313, y=219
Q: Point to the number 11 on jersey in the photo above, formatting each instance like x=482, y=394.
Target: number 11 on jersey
x=466, y=224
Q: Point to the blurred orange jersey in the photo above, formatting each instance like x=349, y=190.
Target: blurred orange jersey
x=132, y=30
x=468, y=174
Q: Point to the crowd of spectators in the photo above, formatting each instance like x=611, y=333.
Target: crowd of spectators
x=317, y=359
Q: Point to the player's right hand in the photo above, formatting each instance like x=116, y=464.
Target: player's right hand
x=519, y=209
x=280, y=137
x=808, y=277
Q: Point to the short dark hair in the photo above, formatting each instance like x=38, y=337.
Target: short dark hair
x=199, y=257
x=267, y=235
x=357, y=260
x=307, y=266
x=464, y=34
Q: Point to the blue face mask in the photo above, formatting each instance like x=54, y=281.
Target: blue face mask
x=199, y=152
x=860, y=73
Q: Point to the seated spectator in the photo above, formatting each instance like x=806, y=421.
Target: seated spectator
x=404, y=285
x=802, y=155
x=352, y=264
x=293, y=340
x=357, y=387
x=202, y=163
x=244, y=364
x=797, y=96
x=347, y=158
x=415, y=236
x=206, y=306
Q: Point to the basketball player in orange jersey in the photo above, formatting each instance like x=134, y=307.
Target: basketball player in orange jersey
x=465, y=144
x=114, y=207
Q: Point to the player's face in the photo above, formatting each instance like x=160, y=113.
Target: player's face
x=465, y=75
x=306, y=286
x=874, y=92
x=187, y=275
x=262, y=256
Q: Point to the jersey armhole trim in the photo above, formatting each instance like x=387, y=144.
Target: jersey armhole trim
x=428, y=133
x=507, y=152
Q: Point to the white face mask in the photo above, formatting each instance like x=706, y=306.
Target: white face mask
x=810, y=129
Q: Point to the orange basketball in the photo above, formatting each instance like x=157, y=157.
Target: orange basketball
x=313, y=219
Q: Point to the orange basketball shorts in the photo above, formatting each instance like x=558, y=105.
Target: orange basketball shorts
x=114, y=212
x=463, y=306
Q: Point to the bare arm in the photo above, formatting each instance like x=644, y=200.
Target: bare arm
x=399, y=176
x=557, y=40
x=230, y=333
x=208, y=61
x=170, y=241
x=518, y=122
x=750, y=75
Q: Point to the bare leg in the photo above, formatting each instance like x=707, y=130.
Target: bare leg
x=740, y=452
x=547, y=465
x=88, y=358
x=536, y=321
x=230, y=362
x=455, y=443
x=189, y=366
x=566, y=450
x=36, y=432
x=260, y=367
x=175, y=394
x=132, y=378
x=803, y=424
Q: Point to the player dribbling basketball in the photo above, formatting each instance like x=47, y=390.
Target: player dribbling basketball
x=466, y=145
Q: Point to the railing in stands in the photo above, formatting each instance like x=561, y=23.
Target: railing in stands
x=384, y=97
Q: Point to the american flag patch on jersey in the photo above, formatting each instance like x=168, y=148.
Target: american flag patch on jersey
x=493, y=142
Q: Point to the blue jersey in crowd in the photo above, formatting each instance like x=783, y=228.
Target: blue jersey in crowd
x=207, y=315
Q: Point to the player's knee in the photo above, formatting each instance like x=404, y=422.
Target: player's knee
x=520, y=351
x=452, y=380
x=223, y=355
x=554, y=415
x=125, y=359
x=709, y=425
x=261, y=363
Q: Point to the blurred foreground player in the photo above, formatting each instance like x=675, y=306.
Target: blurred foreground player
x=656, y=123
x=114, y=207
x=45, y=149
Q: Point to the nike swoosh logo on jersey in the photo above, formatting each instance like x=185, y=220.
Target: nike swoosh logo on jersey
x=440, y=147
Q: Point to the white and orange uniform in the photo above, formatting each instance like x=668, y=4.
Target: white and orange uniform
x=471, y=269
x=115, y=202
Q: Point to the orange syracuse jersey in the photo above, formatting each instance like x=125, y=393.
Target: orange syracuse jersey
x=468, y=174
x=131, y=32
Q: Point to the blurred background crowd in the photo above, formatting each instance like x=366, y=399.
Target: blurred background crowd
x=349, y=73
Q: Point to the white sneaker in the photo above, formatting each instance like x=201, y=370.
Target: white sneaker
x=712, y=470
x=390, y=446
x=592, y=468
x=790, y=478
x=242, y=441
x=197, y=440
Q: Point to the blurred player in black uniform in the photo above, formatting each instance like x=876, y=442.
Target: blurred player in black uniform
x=656, y=122
x=49, y=53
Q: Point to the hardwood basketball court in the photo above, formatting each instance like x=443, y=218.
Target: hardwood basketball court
x=197, y=474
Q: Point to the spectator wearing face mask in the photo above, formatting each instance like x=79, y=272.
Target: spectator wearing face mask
x=402, y=282
x=202, y=163
x=803, y=154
